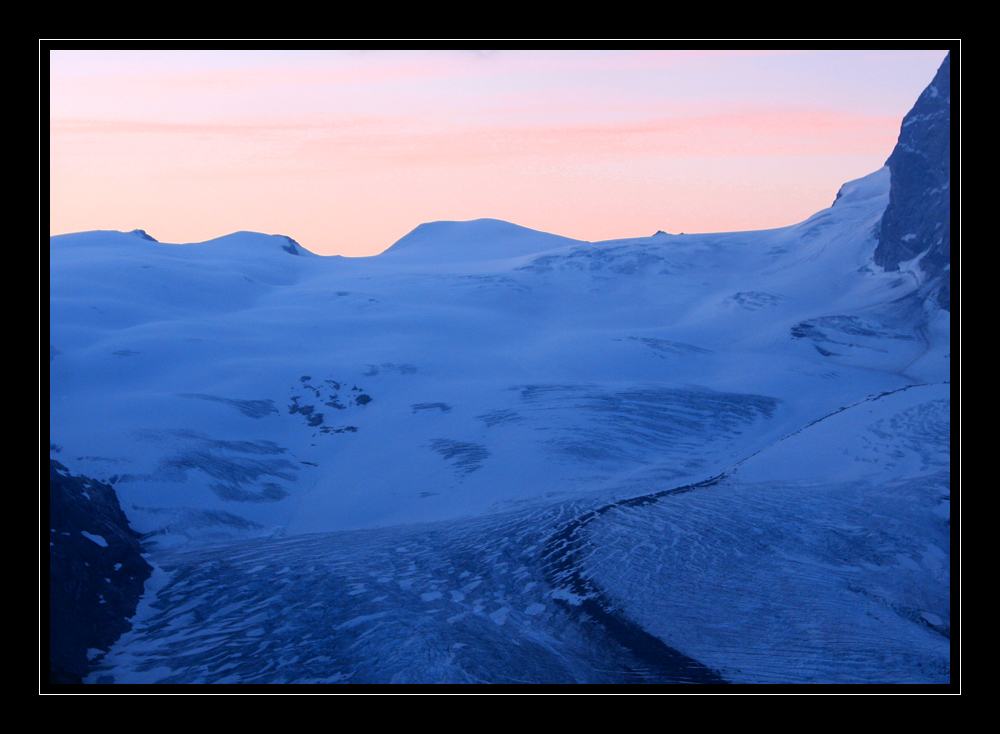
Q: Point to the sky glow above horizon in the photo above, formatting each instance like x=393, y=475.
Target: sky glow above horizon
x=348, y=151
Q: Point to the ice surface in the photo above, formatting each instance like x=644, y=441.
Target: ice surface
x=822, y=559
x=381, y=469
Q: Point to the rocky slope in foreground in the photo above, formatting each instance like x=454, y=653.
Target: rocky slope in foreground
x=96, y=572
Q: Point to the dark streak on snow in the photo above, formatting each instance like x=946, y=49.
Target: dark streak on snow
x=563, y=571
x=465, y=457
x=250, y=408
x=495, y=417
x=443, y=407
x=664, y=346
x=238, y=478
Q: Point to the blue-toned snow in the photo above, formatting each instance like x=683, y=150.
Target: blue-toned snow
x=352, y=470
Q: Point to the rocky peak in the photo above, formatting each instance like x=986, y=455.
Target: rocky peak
x=917, y=222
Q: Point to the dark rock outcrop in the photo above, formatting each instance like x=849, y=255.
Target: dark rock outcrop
x=918, y=218
x=292, y=247
x=142, y=233
x=96, y=572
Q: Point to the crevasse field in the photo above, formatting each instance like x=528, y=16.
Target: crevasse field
x=492, y=454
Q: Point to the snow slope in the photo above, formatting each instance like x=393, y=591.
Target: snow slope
x=829, y=552
x=279, y=422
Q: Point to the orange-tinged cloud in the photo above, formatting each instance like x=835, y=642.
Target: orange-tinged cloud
x=375, y=141
x=353, y=186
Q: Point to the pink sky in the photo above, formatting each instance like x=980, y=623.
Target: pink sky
x=346, y=151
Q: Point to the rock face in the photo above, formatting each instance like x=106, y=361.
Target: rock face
x=96, y=572
x=142, y=233
x=917, y=221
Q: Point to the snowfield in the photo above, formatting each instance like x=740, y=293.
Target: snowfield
x=426, y=466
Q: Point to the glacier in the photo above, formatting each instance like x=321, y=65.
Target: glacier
x=496, y=455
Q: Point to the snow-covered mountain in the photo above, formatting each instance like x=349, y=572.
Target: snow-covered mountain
x=492, y=454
